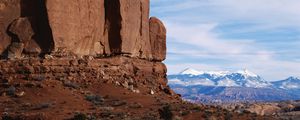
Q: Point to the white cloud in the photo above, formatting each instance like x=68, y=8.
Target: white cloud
x=203, y=37
x=241, y=54
x=193, y=22
x=270, y=13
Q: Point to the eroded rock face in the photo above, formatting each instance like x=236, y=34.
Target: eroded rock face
x=15, y=50
x=23, y=32
x=81, y=27
x=78, y=26
x=158, y=39
x=128, y=27
x=21, y=27
x=24, y=22
x=9, y=11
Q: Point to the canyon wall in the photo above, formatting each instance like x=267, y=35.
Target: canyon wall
x=31, y=28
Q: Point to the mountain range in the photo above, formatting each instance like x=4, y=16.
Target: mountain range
x=230, y=87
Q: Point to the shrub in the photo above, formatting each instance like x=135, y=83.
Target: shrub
x=79, y=116
x=166, y=113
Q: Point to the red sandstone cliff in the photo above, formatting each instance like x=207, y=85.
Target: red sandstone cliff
x=84, y=27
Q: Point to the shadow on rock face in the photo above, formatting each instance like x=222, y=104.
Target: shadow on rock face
x=113, y=25
x=36, y=11
x=30, y=27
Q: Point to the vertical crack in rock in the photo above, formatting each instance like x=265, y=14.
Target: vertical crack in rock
x=113, y=25
x=140, y=51
x=36, y=11
x=141, y=17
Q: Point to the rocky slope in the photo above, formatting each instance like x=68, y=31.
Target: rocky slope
x=88, y=59
x=285, y=110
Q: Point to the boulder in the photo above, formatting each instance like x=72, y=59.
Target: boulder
x=9, y=11
x=32, y=48
x=15, y=50
x=22, y=29
x=158, y=39
x=78, y=26
x=128, y=27
x=26, y=22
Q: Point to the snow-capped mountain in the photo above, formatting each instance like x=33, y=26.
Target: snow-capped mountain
x=290, y=83
x=193, y=72
x=225, y=86
x=243, y=78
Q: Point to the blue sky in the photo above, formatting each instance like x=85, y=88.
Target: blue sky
x=260, y=35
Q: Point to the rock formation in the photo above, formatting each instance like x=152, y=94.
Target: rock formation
x=22, y=30
x=82, y=27
x=24, y=22
x=9, y=11
x=158, y=39
x=78, y=26
x=132, y=28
